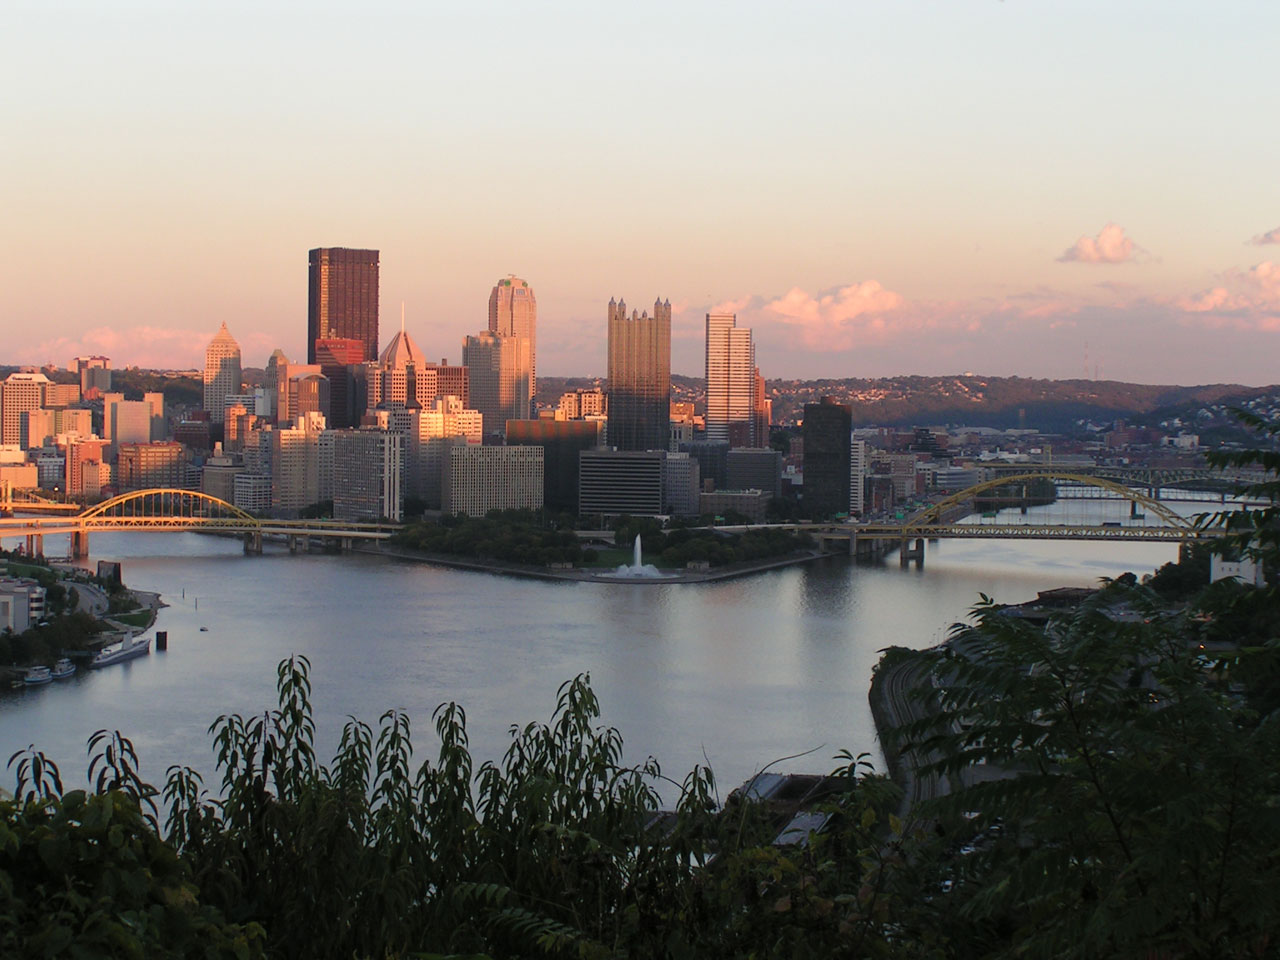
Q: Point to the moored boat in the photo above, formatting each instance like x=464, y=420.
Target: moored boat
x=36, y=675
x=125, y=650
x=63, y=669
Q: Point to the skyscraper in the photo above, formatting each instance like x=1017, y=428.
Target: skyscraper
x=513, y=312
x=221, y=373
x=19, y=393
x=500, y=371
x=342, y=298
x=639, y=377
x=826, y=427
x=731, y=378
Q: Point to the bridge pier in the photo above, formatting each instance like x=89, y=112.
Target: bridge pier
x=907, y=553
x=345, y=544
x=253, y=543
x=35, y=545
x=79, y=544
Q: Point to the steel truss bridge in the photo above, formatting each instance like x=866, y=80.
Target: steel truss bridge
x=939, y=521
x=171, y=510
x=1152, y=478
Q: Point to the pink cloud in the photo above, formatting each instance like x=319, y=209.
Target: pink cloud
x=1245, y=298
x=836, y=320
x=1109, y=246
x=1271, y=236
x=147, y=346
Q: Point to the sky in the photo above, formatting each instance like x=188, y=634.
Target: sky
x=1047, y=189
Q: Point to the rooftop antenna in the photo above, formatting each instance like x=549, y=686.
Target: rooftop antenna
x=402, y=316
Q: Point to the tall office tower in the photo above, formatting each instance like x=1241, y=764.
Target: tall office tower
x=439, y=427
x=158, y=425
x=639, y=377
x=826, y=431
x=857, y=476
x=342, y=298
x=221, y=372
x=285, y=373
x=19, y=393
x=513, y=312
x=130, y=421
x=79, y=452
x=336, y=358
x=731, y=378
x=500, y=370
x=272, y=376
x=366, y=473
x=295, y=464
x=762, y=416
x=398, y=370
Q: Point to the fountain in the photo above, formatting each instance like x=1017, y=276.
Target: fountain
x=636, y=570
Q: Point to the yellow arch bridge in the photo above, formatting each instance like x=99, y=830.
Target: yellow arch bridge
x=178, y=510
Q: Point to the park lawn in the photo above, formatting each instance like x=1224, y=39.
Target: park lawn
x=139, y=618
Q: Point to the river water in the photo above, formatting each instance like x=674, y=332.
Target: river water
x=737, y=673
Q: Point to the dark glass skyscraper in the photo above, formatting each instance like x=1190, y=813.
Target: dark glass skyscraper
x=342, y=298
x=639, y=377
x=826, y=429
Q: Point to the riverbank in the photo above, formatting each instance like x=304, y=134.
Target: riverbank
x=578, y=575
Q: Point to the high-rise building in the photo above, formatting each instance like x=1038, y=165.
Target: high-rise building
x=141, y=466
x=366, y=473
x=639, y=377
x=561, y=442
x=19, y=393
x=731, y=379
x=342, y=298
x=478, y=479
x=95, y=376
x=130, y=421
x=826, y=431
x=858, y=464
x=513, y=312
x=445, y=424
x=763, y=414
x=500, y=369
x=335, y=358
x=79, y=452
x=221, y=372
x=159, y=427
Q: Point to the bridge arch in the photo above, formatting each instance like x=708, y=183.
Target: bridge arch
x=934, y=513
x=182, y=503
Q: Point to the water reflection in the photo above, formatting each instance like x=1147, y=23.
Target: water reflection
x=745, y=670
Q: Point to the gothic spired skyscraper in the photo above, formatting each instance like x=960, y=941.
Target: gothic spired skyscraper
x=221, y=373
x=731, y=379
x=639, y=377
x=342, y=298
x=513, y=312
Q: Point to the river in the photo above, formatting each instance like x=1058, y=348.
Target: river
x=737, y=673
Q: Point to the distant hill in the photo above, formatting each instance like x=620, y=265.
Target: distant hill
x=1002, y=402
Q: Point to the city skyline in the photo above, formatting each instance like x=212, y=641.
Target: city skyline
x=1048, y=192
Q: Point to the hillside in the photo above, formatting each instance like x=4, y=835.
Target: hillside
x=1051, y=405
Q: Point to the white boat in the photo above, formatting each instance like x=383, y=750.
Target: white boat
x=36, y=675
x=118, y=652
x=63, y=669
